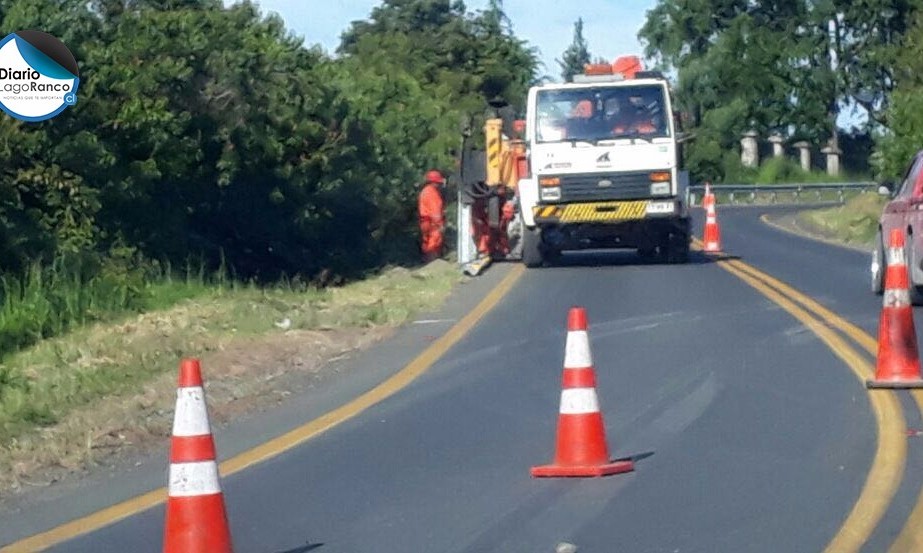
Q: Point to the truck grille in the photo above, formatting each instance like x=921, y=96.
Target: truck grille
x=623, y=186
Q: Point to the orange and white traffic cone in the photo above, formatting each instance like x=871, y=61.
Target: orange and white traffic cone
x=581, y=439
x=196, y=520
x=898, y=358
x=712, y=234
x=709, y=197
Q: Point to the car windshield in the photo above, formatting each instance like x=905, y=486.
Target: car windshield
x=601, y=113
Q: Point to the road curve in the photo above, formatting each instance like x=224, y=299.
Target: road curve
x=751, y=433
x=838, y=279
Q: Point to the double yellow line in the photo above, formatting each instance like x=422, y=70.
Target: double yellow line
x=289, y=440
x=877, y=493
x=891, y=452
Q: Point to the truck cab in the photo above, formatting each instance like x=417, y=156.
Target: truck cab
x=603, y=168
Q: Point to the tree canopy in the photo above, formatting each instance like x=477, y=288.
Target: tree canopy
x=211, y=132
x=790, y=67
x=576, y=56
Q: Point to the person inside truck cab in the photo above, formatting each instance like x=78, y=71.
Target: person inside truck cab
x=631, y=116
x=579, y=119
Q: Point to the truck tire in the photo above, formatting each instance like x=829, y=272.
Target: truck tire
x=677, y=248
x=532, y=255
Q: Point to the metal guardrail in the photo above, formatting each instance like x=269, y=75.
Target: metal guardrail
x=761, y=194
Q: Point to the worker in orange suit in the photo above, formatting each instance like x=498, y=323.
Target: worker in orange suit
x=431, y=210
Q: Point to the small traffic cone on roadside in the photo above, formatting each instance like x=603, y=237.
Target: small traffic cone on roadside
x=898, y=358
x=196, y=520
x=581, y=448
x=709, y=197
x=712, y=234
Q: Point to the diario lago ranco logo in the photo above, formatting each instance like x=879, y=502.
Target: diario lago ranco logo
x=38, y=76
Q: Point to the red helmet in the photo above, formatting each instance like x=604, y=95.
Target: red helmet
x=434, y=176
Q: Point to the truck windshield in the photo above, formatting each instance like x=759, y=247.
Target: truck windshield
x=601, y=113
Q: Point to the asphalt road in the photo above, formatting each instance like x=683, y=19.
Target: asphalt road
x=750, y=434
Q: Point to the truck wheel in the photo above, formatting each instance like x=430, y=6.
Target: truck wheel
x=551, y=256
x=677, y=248
x=532, y=247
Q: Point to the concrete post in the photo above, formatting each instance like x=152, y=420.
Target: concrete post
x=749, y=150
x=833, y=160
x=804, y=149
x=777, y=150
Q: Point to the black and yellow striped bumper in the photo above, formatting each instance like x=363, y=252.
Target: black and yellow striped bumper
x=593, y=212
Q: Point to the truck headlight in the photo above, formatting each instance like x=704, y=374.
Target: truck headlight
x=660, y=188
x=551, y=193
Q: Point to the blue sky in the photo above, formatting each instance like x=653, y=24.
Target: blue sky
x=610, y=26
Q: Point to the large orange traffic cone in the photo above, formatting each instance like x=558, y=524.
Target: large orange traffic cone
x=196, y=520
x=581, y=440
x=898, y=358
x=712, y=234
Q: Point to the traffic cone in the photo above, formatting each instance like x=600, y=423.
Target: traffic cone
x=712, y=232
x=196, y=520
x=898, y=358
x=581, y=439
x=709, y=197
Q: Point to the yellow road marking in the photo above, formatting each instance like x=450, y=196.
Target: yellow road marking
x=286, y=441
x=876, y=495
x=891, y=453
x=910, y=538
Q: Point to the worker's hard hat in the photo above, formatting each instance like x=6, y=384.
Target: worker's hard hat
x=434, y=176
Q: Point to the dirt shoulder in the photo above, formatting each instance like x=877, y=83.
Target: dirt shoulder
x=796, y=223
x=853, y=224
x=256, y=349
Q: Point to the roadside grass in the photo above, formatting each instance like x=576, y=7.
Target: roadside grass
x=50, y=393
x=855, y=222
x=47, y=301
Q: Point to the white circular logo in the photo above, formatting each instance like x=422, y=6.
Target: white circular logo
x=38, y=76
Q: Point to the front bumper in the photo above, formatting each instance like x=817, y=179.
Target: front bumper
x=606, y=211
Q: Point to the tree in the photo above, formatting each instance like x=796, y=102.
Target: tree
x=576, y=56
x=209, y=132
x=470, y=57
x=787, y=66
x=903, y=137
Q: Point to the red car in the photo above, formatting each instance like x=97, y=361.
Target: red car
x=905, y=212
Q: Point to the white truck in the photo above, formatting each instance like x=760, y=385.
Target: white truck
x=603, y=168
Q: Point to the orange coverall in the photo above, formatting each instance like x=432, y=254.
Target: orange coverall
x=431, y=210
